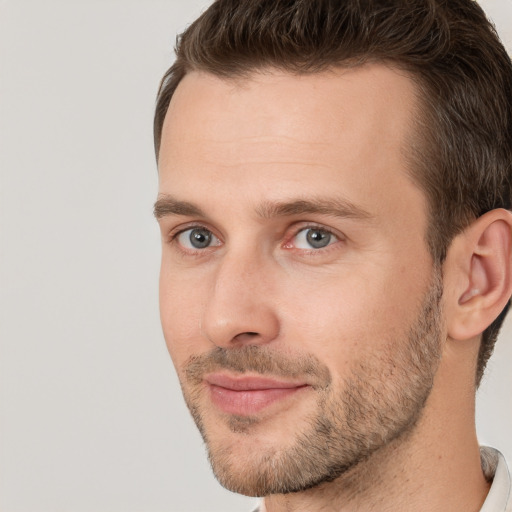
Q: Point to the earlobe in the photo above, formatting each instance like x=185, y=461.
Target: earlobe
x=480, y=266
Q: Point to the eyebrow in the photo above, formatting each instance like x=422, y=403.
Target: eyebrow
x=334, y=207
x=167, y=205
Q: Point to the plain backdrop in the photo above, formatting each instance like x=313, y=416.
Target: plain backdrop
x=91, y=414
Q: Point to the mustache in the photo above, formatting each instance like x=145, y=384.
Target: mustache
x=259, y=359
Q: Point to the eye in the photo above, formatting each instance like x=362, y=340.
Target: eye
x=197, y=238
x=313, y=238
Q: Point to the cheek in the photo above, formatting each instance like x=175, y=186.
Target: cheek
x=344, y=319
x=180, y=314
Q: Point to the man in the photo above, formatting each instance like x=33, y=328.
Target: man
x=334, y=196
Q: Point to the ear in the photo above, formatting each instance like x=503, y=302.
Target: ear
x=478, y=274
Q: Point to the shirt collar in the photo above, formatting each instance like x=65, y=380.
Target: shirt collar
x=495, y=469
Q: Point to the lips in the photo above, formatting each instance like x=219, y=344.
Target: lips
x=245, y=396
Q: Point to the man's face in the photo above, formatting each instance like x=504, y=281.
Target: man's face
x=298, y=299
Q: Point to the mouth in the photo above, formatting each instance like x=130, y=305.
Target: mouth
x=246, y=395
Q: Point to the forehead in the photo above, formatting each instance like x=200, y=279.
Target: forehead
x=342, y=131
x=314, y=107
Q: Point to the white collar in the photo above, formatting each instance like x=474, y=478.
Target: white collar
x=495, y=468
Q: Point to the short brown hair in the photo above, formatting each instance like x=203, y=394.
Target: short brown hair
x=462, y=154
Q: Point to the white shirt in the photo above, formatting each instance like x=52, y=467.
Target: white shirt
x=495, y=468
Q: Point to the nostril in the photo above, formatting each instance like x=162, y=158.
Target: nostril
x=246, y=336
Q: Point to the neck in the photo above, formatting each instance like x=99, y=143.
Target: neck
x=434, y=467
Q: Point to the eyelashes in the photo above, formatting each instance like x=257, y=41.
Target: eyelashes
x=313, y=238
x=196, y=238
x=306, y=238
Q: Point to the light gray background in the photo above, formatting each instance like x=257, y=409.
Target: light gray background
x=91, y=414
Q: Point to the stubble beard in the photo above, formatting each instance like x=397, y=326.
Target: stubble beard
x=381, y=401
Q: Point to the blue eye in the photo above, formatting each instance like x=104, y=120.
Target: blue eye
x=197, y=238
x=314, y=238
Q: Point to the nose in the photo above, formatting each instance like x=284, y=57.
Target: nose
x=241, y=307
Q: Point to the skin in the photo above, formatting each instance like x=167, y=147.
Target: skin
x=233, y=150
